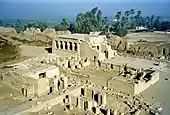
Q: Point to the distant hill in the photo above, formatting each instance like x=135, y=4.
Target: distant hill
x=50, y=23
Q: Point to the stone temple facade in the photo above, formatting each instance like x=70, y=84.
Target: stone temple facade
x=84, y=46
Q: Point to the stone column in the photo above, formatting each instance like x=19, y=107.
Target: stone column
x=53, y=45
x=69, y=99
x=108, y=112
x=55, y=85
x=78, y=51
x=97, y=110
x=104, y=99
x=108, y=83
x=68, y=46
x=78, y=102
x=63, y=45
x=65, y=82
x=114, y=112
x=59, y=45
x=73, y=46
x=99, y=99
x=56, y=44
x=89, y=105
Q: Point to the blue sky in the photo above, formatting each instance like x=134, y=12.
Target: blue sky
x=47, y=1
x=54, y=9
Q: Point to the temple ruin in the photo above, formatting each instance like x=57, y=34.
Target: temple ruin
x=82, y=72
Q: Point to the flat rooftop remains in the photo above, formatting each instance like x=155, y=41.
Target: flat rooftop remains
x=77, y=36
x=28, y=67
x=131, y=62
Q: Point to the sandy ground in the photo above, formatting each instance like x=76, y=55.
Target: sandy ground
x=149, y=36
x=9, y=97
x=99, y=77
x=132, y=62
x=59, y=110
x=32, y=51
x=159, y=93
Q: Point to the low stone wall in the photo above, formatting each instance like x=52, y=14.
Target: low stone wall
x=108, y=66
x=142, y=85
x=41, y=103
x=122, y=85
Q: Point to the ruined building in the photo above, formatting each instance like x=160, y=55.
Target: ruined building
x=33, y=79
x=84, y=46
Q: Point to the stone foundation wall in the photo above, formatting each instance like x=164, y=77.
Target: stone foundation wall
x=108, y=66
x=142, y=85
x=122, y=85
x=16, y=81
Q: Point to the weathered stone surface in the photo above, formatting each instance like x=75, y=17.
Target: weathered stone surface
x=117, y=43
x=8, y=31
x=63, y=32
x=49, y=32
x=32, y=31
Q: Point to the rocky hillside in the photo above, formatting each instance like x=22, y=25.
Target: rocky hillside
x=8, y=51
x=32, y=34
x=117, y=43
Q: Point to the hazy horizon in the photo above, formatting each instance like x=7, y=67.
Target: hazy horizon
x=51, y=10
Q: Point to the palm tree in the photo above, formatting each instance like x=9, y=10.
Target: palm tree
x=118, y=18
x=157, y=23
x=99, y=19
x=127, y=13
x=105, y=24
x=132, y=12
x=64, y=25
x=148, y=22
x=138, y=18
x=132, y=23
x=94, y=10
x=152, y=21
x=1, y=22
x=124, y=21
x=139, y=13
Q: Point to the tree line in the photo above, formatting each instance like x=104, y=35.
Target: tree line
x=94, y=20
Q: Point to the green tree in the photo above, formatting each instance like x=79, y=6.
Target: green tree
x=152, y=21
x=89, y=21
x=127, y=23
x=121, y=32
x=72, y=28
x=132, y=12
x=99, y=19
x=105, y=24
x=94, y=11
x=127, y=13
x=132, y=21
x=118, y=17
x=157, y=23
x=138, y=18
x=42, y=26
x=165, y=25
x=124, y=22
x=1, y=22
x=63, y=26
